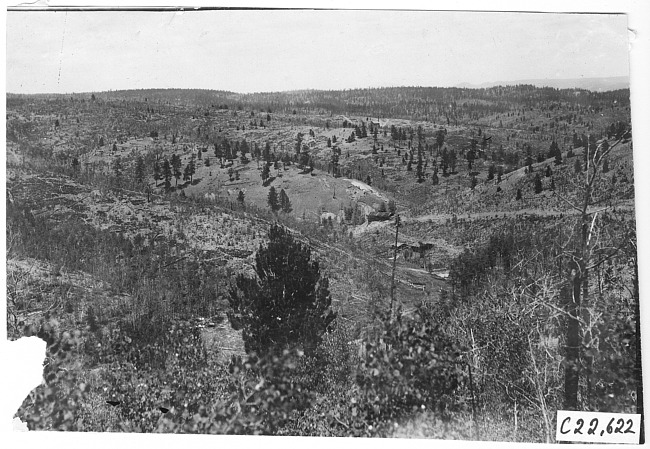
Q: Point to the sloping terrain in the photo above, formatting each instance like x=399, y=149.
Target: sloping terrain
x=132, y=214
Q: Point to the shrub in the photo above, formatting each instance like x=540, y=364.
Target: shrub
x=411, y=367
x=187, y=393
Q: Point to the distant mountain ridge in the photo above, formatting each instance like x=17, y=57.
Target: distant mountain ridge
x=435, y=104
x=592, y=84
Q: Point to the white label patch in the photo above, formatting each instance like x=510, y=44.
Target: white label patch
x=597, y=427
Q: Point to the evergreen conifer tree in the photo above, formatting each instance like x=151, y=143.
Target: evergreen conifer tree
x=538, y=184
x=273, y=200
x=577, y=166
x=167, y=173
x=285, y=203
x=287, y=305
x=139, y=170
x=156, y=172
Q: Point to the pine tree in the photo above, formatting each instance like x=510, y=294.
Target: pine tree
x=167, y=173
x=138, y=172
x=518, y=195
x=156, y=172
x=241, y=197
x=555, y=149
x=266, y=154
x=227, y=150
x=298, y=143
x=491, y=172
x=419, y=169
x=117, y=168
x=176, y=167
x=285, y=204
x=265, y=173
x=243, y=148
x=538, y=184
x=75, y=164
x=192, y=167
x=273, y=200
x=440, y=138
x=335, y=162
x=187, y=173
x=288, y=304
x=577, y=166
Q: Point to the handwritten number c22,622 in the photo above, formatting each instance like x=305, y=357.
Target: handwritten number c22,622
x=592, y=426
x=616, y=425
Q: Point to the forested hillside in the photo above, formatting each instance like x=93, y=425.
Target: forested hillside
x=407, y=261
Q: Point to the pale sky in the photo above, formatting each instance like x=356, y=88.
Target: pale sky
x=247, y=51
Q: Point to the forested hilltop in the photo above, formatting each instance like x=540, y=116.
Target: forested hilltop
x=434, y=104
x=405, y=261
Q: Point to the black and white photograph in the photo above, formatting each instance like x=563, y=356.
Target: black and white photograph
x=326, y=222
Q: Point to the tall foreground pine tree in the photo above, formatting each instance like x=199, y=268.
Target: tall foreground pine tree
x=287, y=304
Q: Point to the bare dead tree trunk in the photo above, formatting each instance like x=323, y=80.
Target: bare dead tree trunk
x=477, y=433
x=392, y=282
x=572, y=368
